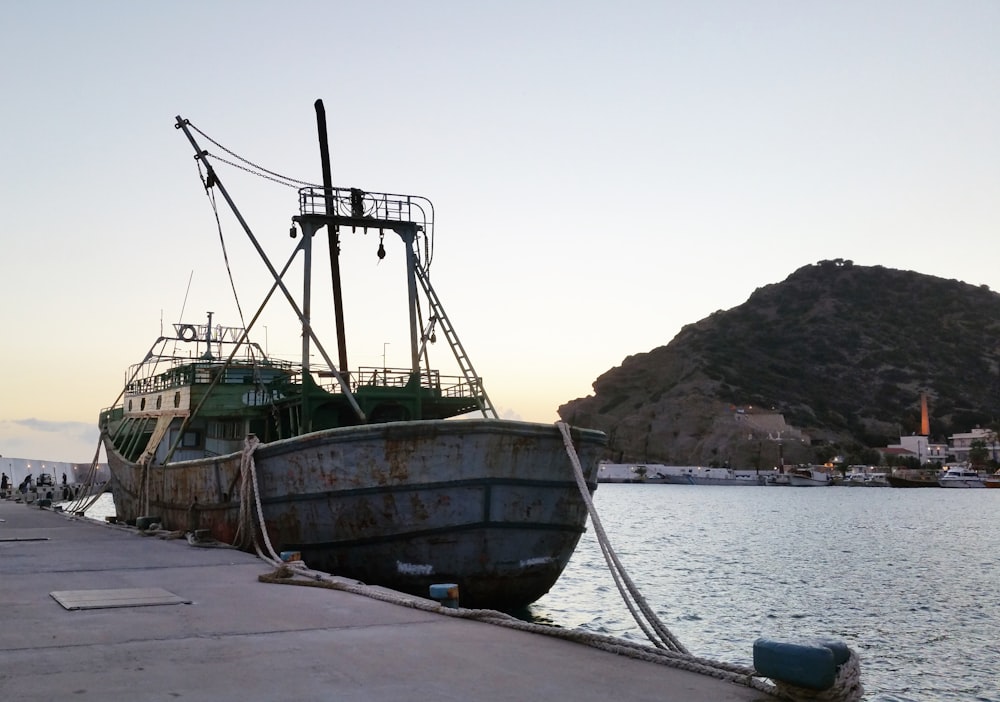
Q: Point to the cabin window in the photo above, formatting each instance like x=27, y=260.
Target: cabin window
x=159, y=401
x=228, y=431
x=177, y=399
x=237, y=376
x=191, y=439
x=130, y=405
x=142, y=403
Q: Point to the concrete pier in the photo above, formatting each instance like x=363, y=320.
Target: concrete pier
x=241, y=639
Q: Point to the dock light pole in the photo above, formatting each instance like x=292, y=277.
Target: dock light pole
x=385, y=373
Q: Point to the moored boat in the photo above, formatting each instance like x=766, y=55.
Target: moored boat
x=961, y=477
x=913, y=478
x=651, y=473
x=657, y=473
x=366, y=474
x=723, y=476
x=777, y=479
x=809, y=476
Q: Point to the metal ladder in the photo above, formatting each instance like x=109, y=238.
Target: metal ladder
x=482, y=399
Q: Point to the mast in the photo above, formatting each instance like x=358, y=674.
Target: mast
x=308, y=226
x=333, y=231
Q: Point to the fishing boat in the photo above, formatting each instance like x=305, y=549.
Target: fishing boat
x=777, y=479
x=809, y=476
x=855, y=478
x=877, y=480
x=913, y=478
x=376, y=474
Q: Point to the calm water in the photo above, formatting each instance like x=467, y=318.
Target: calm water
x=908, y=578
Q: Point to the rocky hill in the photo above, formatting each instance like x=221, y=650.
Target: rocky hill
x=841, y=353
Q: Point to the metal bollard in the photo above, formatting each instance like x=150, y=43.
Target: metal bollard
x=446, y=594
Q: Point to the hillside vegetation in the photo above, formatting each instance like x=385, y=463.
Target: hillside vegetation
x=843, y=352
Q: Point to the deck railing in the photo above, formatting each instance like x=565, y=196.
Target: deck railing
x=358, y=204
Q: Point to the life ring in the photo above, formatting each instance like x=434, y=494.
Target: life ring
x=188, y=332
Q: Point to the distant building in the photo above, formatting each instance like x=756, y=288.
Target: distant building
x=919, y=447
x=961, y=443
x=767, y=424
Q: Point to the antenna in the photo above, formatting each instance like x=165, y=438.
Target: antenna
x=180, y=319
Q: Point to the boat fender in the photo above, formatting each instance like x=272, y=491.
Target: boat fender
x=446, y=594
x=811, y=665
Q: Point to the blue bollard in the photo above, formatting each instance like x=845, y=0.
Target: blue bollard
x=811, y=665
x=446, y=594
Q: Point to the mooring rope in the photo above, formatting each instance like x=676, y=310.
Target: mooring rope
x=663, y=638
x=847, y=685
x=246, y=534
x=85, y=496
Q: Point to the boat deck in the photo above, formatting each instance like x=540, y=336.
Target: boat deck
x=223, y=635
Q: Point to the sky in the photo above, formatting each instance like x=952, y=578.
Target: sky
x=602, y=173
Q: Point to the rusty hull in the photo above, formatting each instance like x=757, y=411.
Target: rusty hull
x=491, y=505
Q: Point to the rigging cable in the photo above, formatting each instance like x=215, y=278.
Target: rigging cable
x=218, y=223
x=252, y=167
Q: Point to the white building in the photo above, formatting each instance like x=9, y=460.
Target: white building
x=961, y=443
x=919, y=447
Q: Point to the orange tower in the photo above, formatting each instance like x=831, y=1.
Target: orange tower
x=925, y=422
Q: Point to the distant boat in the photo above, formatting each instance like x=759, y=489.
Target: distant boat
x=656, y=473
x=723, y=476
x=777, y=480
x=859, y=478
x=913, y=478
x=364, y=473
x=854, y=479
x=809, y=476
x=961, y=477
x=992, y=480
x=630, y=472
x=877, y=480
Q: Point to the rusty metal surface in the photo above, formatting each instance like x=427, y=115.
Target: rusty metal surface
x=489, y=504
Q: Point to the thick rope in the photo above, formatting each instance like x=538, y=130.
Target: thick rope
x=86, y=496
x=245, y=523
x=664, y=638
x=246, y=533
x=846, y=687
